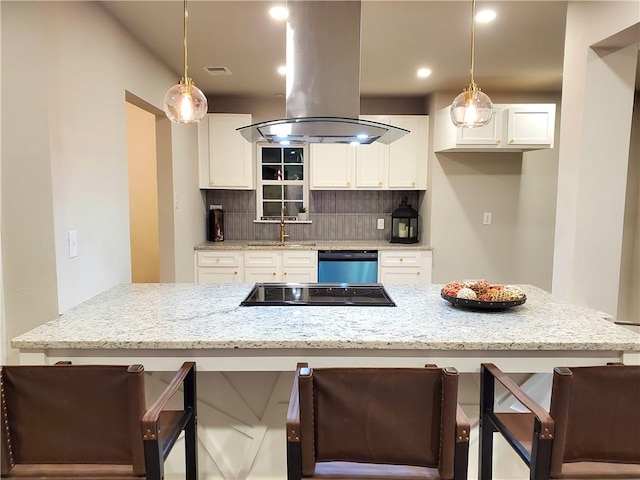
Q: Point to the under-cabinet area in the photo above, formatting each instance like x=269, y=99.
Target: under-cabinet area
x=299, y=264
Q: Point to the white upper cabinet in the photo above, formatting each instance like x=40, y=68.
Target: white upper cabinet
x=331, y=166
x=402, y=165
x=514, y=127
x=407, y=164
x=226, y=159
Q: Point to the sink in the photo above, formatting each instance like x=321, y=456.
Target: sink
x=266, y=243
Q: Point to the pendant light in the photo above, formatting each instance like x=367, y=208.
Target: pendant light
x=184, y=102
x=472, y=108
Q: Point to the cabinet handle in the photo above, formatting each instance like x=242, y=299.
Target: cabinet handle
x=212, y=183
x=235, y=273
x=379, y=184
x=217, y=260
x=498, y=142
x=413, y=184
x=417, y=273
x=285, y=273
x=273, y=273
x=511, y=141
x=401, y=259
x=348, y=183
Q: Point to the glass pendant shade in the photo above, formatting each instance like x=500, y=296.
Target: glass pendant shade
x=472, y=108
x=185, y=103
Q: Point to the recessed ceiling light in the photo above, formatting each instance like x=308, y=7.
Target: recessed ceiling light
x=424, y=72
x=279, y=13
x=485, y=16
x=282, y=70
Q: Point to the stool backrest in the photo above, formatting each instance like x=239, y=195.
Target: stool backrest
x=68, y=414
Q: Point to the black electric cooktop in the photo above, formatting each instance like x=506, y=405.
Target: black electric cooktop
x=318, y=294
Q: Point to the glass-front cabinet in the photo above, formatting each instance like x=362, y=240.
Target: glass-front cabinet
x=282, y=182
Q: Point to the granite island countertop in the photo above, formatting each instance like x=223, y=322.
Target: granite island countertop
x=194, y=316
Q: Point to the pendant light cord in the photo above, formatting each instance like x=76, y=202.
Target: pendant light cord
x=473, y=38
x=186, y=68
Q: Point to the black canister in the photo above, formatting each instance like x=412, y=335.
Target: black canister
x=215, y=227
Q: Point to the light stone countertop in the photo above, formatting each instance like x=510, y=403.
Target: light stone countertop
x=309, y=245
x=193, y=316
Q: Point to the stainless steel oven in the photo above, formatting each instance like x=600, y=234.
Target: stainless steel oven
x=348, y=266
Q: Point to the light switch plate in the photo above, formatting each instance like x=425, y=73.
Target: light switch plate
x=486, y=218
x=73, y=243
x=381, y=224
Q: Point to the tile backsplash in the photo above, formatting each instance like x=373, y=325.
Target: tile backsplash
x=334, y=215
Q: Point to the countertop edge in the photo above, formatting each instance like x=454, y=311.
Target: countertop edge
x=306, y=245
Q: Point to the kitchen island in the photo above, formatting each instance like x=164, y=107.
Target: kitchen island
x=160, y=325
x=246, y=355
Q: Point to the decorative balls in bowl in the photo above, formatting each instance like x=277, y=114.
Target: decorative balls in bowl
x=482, y=294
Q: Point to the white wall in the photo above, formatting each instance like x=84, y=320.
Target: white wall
x=629, y=296
x=29, y=269
x=595, y=130
x=64, y=156
x=518, y=188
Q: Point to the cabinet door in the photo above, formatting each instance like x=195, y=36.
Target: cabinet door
x=219, y=275
x=371, y=160
x=405, y=267
x=231, y=160
x=370, y=163
x=401, y=275
x=331, y=166
x=300, y=266
x=490, y=134
x=262, y=274
x=300, y=275
x=408, y=156
x=531, y=125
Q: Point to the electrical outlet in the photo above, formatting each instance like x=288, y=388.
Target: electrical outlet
x=486, y=218
x=73, y=243
x=381, y=224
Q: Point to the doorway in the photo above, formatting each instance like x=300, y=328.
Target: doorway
x=143, y=195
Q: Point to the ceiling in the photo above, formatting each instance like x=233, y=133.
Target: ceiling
x=522, y=49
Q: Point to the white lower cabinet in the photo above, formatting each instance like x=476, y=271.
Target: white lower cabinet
x=300, y=266
x=408, y=267
x=219, y=267
x=255, y=266
x=262, y=266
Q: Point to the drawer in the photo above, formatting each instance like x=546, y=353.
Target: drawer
x=399, y=258
x=305, y=258
x=259, y=258
x=219, y=259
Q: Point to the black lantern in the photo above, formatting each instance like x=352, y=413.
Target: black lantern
x=404, y=224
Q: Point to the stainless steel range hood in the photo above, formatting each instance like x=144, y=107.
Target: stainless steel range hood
x=323, y=82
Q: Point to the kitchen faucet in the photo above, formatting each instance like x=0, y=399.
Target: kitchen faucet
x=283, y=235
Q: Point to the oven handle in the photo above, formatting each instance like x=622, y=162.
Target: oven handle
x=347, y=255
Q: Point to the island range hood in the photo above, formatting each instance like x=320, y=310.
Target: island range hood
x=323, y=81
